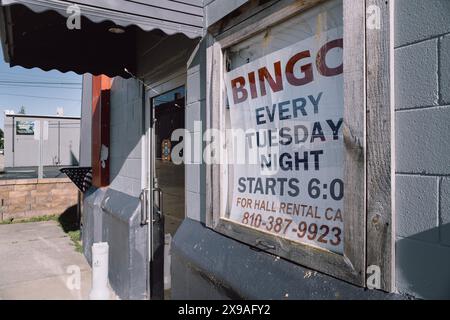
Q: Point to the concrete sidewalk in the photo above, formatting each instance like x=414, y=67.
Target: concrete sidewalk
x=34, y=258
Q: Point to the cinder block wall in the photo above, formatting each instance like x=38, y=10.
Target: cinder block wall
x=422, y=118
x=113, y=214
x=195, y=174
x=27, y=198
x=125, y=135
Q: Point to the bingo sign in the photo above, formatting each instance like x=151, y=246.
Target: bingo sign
x=290, y=106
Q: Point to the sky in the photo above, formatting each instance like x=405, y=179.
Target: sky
x=40, y=92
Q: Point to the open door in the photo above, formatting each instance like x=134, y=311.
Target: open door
x=166, y=196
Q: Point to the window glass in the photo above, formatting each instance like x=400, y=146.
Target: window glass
x=284, y=119
x=170, y=96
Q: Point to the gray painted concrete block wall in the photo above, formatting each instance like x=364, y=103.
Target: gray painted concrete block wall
x=112, y=214
x=121, y=214
x=126, y=136
x=195, y=111
x=127, y=240
x=114, y=217
x=92, y=220
x=422, y=119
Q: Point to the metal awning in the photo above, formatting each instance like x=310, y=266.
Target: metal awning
x=34, y=32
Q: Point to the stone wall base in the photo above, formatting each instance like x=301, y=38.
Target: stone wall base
x=27, y=198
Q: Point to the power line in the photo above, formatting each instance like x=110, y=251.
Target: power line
x=41, y=82
x=26, y=75
x=38, y=97
x=38, y=86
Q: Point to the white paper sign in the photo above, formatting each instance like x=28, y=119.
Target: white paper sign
x=290, y=105
x=37, y=130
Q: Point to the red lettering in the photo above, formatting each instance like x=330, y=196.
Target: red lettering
x=241, y=89
x=307, y=70
x=321, y=59
x=264, y=75
x=275, y=80
x=252, y=83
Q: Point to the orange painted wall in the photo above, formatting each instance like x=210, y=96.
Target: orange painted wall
x=101, y=86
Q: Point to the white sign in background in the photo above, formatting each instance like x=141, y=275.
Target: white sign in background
x=37, y=130
x=295, y=190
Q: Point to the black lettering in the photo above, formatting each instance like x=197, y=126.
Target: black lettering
x=317, y=132
x=335, y=128
x=241, y=183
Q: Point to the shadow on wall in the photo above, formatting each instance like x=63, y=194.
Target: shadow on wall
x=423, y=268
x=126, y=131
x=73, y=159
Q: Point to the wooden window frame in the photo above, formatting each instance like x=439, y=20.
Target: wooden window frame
x=368, y=143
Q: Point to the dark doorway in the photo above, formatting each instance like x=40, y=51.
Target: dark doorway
x=169, y=111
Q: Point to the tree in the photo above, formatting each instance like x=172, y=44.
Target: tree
x=22, y=110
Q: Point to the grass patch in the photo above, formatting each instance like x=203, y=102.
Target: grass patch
x=75, y=236
x=32, y=219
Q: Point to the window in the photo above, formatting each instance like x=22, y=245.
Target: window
x=284, y=90
x=25, y=127
x=287, y=92
x=169, y=97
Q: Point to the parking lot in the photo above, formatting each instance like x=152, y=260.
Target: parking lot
x=30, y=173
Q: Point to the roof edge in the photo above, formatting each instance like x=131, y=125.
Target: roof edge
x=98, y=15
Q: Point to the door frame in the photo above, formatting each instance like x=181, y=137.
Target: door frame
x=152, y=90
